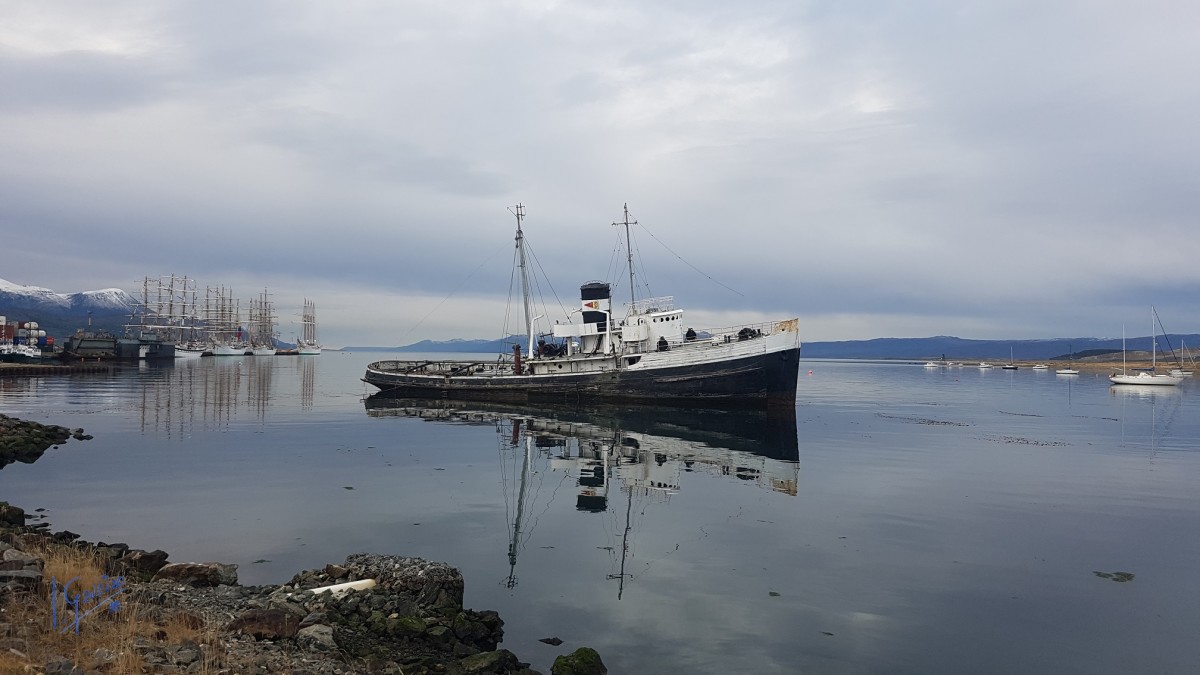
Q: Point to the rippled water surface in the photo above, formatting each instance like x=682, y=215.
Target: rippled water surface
x=909, y=520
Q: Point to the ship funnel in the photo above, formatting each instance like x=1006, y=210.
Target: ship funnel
x=597, y=301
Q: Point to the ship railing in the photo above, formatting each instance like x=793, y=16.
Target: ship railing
x=738, y=333
x=648, y=305
x=446, y=368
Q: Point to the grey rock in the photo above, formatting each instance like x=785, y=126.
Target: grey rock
x=23, y=576
x=317, y=636
x=185, y=654
x=313, y=619
x=266, y=624
x=13, y=555
x=63, y=667
x=582, y=661
x=198, y=574
x=143, y=562
x=499, y=661
x=103, y=657
x=13, y=643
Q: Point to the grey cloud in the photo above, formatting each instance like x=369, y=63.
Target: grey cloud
x=77, y=81
x=336, y=148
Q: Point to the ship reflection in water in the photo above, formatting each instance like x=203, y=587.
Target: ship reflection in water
x=617, y=456
x=182, y=397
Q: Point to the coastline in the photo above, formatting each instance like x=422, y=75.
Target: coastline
x=72, y=605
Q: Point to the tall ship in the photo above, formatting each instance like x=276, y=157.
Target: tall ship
x=169, y=311
x=650, y=356
x=222, y=317
x=262, y=326
x=307, y=342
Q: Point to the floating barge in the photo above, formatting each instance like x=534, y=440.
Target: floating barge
x=85, y=346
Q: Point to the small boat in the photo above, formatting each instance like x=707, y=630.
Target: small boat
x=1144, y=377
x=192, y=350
x=1010, y=365
x=1041, y=366
x=1180, y=372
x=984, y=364
x=229, y=349
x=649, y=357
x=931, y=364
x=21, y=353
x=1070, y=369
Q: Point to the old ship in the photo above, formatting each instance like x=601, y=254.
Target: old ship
x=649, y=356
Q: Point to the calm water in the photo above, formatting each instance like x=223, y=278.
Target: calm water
x=912, y=521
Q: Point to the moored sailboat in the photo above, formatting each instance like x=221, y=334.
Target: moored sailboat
x=647, y=357
x=1011, y=365
x=1181, y=371
x=1144, y=377
x=307, y=343
x=1070, y=369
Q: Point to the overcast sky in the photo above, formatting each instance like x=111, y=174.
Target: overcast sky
x=981, y=169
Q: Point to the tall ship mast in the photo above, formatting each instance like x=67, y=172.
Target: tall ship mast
x=307, y=342
x=223, y=318
x=262, y=325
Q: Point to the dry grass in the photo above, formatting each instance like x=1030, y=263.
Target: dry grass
x=105, y=640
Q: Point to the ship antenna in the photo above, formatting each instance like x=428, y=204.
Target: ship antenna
x=629, y=254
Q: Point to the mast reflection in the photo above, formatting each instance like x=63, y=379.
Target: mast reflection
x=212, y=393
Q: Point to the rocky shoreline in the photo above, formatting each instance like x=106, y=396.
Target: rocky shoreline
x=23, y=441
x=369, y=613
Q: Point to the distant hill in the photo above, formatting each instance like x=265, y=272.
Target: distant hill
x=60, y=314
x=917, y=349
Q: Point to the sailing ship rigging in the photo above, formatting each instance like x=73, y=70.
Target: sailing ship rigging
x=307, y=343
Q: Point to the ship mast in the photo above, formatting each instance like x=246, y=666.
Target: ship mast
x=520, y=213
x=629, y=254
x=515, y=542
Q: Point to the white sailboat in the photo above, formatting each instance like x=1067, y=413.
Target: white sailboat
x=307, y=344
x=1180, y=372
x=1070, y=369
x=1144, y=377
x=1011, y=365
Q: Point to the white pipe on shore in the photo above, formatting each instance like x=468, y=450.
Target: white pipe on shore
x=338, y=590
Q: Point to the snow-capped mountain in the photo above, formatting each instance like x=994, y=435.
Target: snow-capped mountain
x=61, y=313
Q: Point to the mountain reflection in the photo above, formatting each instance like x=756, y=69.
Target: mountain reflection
x=617, y=456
